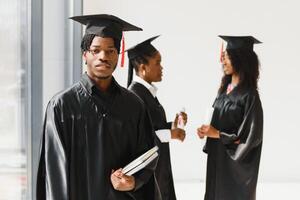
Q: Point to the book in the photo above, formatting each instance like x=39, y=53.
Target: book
x=141, y=162
x=142, y=165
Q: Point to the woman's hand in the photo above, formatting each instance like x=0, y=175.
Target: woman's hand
x=184, y=118
x=178, y=134
x=209, y=131
x=200, y=134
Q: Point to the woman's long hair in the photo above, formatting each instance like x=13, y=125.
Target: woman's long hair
x=246, y=64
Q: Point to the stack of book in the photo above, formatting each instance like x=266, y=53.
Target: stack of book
x=141, y=162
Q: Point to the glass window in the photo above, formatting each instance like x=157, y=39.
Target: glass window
x=13, y=99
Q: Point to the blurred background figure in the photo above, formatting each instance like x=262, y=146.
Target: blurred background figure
x=145, y=59
x=234, y=137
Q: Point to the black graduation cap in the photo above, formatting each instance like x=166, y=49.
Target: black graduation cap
x=238, y=42
x=141, y=49
x=105, y=25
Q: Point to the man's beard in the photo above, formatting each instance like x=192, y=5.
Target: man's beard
x=106, y=77
x=103, y=77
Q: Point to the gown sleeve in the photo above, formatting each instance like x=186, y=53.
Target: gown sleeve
x=52, y=178
x=146, y=139
x=250, y=132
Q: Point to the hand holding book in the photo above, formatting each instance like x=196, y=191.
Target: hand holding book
x=122, y=182
x=140, y=162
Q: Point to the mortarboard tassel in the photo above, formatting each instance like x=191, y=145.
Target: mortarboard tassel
x=123, y=51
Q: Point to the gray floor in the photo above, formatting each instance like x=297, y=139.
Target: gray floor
x=194, y=190
x=13, y=187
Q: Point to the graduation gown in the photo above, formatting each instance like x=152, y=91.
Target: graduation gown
x=86, y=134
x=163, y=171
x=232, y=169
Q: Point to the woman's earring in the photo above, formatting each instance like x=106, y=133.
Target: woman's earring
x=85, y=63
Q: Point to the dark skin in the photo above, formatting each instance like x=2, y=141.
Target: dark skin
x=101, y=60
x=178, y=133
x=152, y=72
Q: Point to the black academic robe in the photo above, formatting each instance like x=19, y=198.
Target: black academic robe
x=163, y=171
x=232, y=169
x=86, y=135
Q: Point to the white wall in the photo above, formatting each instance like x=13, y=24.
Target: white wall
x=190, y=50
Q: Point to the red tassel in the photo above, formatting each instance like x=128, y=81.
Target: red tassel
x=221, y=55
x=123, y=51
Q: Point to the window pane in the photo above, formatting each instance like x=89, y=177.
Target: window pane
x=13, y=99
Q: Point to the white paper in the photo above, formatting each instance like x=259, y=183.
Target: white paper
x=208, y=116
x=207, y=120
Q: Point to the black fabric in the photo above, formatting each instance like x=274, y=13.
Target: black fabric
x=240, y=42
x=86, y=134
x=105, y=25
x=232, y=169
x=142, y=49
x=163, y=172
x=130, y=72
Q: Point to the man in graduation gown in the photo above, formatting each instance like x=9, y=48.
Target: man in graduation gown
x=235, y=133
x=96, y=127
x=145, y=59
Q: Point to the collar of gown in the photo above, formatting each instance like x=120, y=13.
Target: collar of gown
x=152, y=88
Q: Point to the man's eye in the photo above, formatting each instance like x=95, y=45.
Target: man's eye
x=96, y=51
x=111, y=51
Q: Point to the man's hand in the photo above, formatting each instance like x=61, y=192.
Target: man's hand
x=122, y=182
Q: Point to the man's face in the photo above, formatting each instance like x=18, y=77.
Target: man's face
x=101, y=58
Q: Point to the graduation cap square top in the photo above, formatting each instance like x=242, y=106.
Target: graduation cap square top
x=239, y=42
x=142, y=48
x=105, y=25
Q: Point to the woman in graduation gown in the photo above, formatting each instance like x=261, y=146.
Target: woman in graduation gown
x=234, y=137
x=145, y=59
